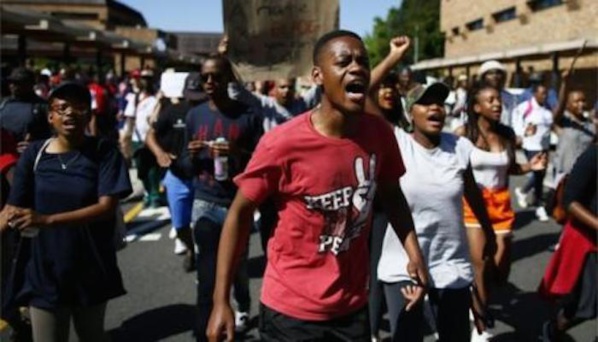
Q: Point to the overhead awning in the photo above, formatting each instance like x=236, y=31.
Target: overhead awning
x=46, y=28
x=438, y=63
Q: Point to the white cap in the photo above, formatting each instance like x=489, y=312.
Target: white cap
x=462, y=77
x=492, y=65
x=46, y=72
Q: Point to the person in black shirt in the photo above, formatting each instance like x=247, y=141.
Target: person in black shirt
x=166, y=140
x=24, y=114
x=210, y=123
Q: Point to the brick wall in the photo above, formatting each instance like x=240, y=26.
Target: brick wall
x=573, y=19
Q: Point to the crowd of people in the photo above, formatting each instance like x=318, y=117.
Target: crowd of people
x=373, y=191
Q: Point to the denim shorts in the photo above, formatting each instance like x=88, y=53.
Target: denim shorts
x=209, y=210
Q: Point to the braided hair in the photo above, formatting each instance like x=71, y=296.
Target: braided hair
x=472, y=130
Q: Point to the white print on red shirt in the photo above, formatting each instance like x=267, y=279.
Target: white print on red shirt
x=345, y=210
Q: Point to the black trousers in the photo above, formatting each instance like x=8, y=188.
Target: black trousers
x=207, y=237
x=277, y=327
x=450, y=309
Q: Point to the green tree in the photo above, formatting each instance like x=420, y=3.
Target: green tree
x=414, y=18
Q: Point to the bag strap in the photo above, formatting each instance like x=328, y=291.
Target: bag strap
x=40, y=152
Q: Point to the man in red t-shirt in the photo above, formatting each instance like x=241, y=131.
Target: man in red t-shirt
x=323, y=170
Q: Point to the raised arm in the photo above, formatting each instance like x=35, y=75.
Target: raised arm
x=398, y=48
x=559, y=110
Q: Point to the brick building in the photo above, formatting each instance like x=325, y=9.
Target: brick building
x=112, y=18
x=525, y=35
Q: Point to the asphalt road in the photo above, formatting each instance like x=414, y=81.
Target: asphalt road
x=159, y=305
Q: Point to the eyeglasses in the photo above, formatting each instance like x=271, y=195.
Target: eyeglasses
x=67, y=109
x=216, y=76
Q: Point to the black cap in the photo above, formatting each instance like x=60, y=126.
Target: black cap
x=71, y=91
x=193, y=90
x=22, y=75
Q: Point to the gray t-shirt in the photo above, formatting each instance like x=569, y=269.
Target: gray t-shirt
x=433, y=186
x=574, y=138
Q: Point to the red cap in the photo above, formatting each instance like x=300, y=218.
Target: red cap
x=135, y=73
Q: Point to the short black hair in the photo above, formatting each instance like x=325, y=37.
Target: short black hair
x=327, y=37
x=224, y=62
x=72, y=92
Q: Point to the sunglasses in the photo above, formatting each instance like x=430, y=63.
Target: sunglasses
x=216, y=76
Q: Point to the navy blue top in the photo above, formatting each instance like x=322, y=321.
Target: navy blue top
x=25, y=116
x=241, y=126
x=71, y=265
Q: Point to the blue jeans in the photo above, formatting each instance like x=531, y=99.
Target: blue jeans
x=208, y=218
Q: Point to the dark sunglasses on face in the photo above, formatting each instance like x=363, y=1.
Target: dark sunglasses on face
x=216, y=76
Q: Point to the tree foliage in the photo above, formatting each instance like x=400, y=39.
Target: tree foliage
x=414, y=18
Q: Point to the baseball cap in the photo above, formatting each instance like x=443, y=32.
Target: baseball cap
x=21, y=75
x=462, y=77
x=71, y=91
x=193, y=90
x=437, y=89
x=492, y=65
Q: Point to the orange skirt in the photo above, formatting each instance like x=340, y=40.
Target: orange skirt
x=498, y=204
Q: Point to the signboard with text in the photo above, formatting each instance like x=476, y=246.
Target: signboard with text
x=271, y=39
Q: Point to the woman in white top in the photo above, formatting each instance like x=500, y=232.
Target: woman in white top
x=492, y=160
x=438, y=176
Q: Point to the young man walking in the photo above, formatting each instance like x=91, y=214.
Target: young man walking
x=322, y=169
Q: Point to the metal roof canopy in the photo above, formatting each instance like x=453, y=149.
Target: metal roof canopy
x=43, y=27
x=507, y=54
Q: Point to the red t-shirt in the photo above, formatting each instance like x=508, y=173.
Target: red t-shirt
x=318, y=262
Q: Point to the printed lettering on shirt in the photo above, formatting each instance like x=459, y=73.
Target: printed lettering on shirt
x=346, y=210
x=207, y=132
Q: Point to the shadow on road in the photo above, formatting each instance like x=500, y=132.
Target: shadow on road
x=157, y=324
x=524, y=311
x=532, y=246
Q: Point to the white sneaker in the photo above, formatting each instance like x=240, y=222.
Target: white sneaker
x=376, y=338
x=542, y=215
x=241, y=320
x=179, y=247
x=521, y=197
x=172, y=233
x=485, y=336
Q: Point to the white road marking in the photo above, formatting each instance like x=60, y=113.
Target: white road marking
x=151, y=237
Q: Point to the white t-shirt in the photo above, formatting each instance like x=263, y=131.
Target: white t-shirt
x=142, y=114
x=433, y=186
x=530, y=112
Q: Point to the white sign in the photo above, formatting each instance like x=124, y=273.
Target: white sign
x=172, y=84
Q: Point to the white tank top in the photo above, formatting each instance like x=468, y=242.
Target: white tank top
x=490, y=169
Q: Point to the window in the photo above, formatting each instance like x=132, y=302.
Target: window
x=538, y=5
x=475, y=25
x=505, y=15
